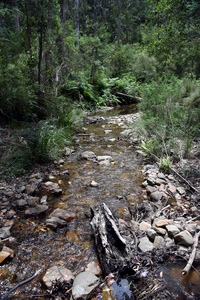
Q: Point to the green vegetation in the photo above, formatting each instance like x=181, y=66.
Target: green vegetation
x=60, y=57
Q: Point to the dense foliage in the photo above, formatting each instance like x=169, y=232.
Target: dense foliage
x=60, y=56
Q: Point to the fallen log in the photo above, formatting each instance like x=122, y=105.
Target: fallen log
x=114, y=252
x=133, y=99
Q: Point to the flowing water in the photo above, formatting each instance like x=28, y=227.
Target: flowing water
x=73, y=245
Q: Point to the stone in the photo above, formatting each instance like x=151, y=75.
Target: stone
x=57, y=273
x=54, y=222
x=151, y=189
x=22, y=189
x=144, y=226
x=172, y=230
x=160, y=181
x=30, y=188
x=88, y=155
x=21, y=203
x=10, y=214
x=156, y=196
x=4, y=232
x=144, y=184
x=194, y=210
x=191, y=227
x=172, y=188
x=160, y=230
x=151, y=233
x=104, y=157
x=159, y=242
x=93, y=183
x=32, y=200
x=44, y=199
x=63, y=214
x=168, y=242
x=162, y=223
x=84, y=284
x=5, y=253
x=151, y=180
x=52, y=187
x=94, y=267
x=184, y=238
x=145, y=245
x=181, y=190
x=105, y=162
x=36, y=210
x=68, y=151
x=161, y=176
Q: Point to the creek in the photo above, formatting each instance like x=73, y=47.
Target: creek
x=119, y=186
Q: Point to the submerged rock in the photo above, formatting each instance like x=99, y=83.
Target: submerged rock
x=63, y=214
x=57, y=273
x=84, y=285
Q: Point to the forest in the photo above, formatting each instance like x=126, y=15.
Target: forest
x=59, y=58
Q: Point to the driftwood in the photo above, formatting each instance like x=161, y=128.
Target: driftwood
x=114, y=252
x=192, y=256
x=133, y=99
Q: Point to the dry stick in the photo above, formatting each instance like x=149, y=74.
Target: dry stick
x=192, y=256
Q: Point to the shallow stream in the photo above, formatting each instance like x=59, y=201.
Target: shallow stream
x=73, y=245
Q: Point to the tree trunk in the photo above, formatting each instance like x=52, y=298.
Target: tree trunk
x=40, y=47
x=119, y=23
x=28, y=33
x=77, y=25
x=94, y=51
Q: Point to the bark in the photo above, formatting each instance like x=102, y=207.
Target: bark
x=40, y=47
x=28, y=33
x=114, y=251
x=64, y=12
x=94, y=51
x=119, y=23
x=77, y=29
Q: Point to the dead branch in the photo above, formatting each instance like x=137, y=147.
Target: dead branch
x=192, y=256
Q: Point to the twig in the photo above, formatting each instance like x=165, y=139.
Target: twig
x=21, y=283
x=192, y=256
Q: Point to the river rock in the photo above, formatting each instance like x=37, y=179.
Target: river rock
x=156, y=196
x=68, y=151
x=4, y=232
x=163, y=222
x=52, y=187
x=84, y=284
x=94, y=267
x=30, y=188
x=144, y=226
x=151, y=233
x=32, y=200
x=36, y=210
x=88, y=155
x=54, y=222
x=191, y=228
x=172, y=230
x=151, y=189
x=93, y=183
x=160, y=230
x=105, y=163
x=151, y=180
x=104, y=157
x=57, y=273
x=21, y=203
x=159, y=242
x=63, y=214
x=5, y=253
x=145, y=245
x=181, y=190
x=172, y=188
x=184, y=238
x=161, y=176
